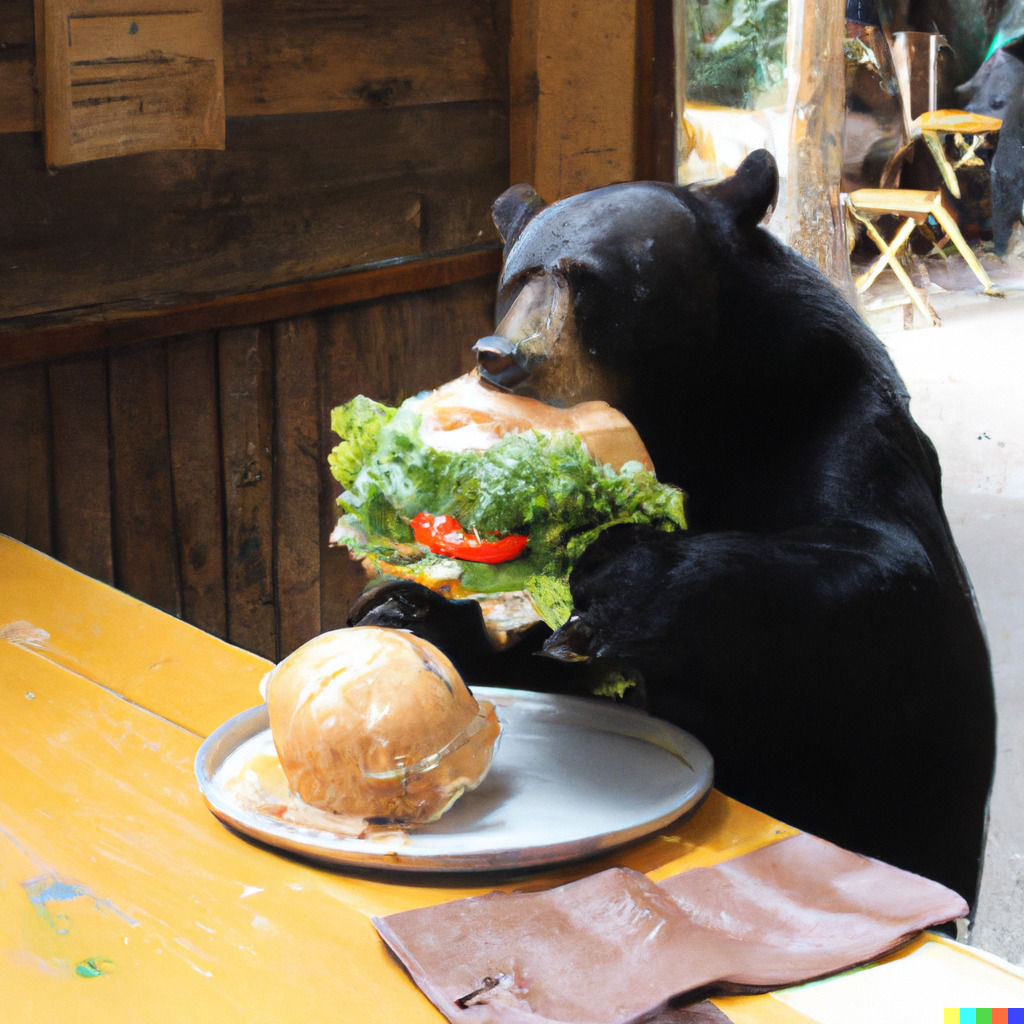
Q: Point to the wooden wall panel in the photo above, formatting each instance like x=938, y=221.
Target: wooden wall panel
x=25, y=467
x=144, y=536
x=357, y=133
x=245, y=374
x=18, y=111
x=81, y=466
x=591, y=93
x=192, y=471
x=316, y=56
x=193, y=411
x=129, y=76
x=365, y=142
x=290, y=199
x=297, y=476
x=351, y=54
x=572, y=81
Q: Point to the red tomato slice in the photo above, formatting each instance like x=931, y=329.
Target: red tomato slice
x=444, y=536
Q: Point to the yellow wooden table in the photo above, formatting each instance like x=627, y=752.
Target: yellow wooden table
x=123, y=898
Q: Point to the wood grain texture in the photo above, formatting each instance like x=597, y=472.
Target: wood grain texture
x=245, y=384
x=193, y=409
x=297, y=480
x=144, y=536
x=81, y=466
x=129, y=77
x=18, y=111
x=573, y=80
x=25, y=496
x=324, y=55
x=290, y=199
x=52, y=337
x=311, y=56
x=812, y=220
x=657, y=79
x=209, y=494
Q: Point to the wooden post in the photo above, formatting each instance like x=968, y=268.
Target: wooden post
x=588, y=81
x=810, y=216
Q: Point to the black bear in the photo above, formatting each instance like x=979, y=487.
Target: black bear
x=814, y=627
x=997, y=89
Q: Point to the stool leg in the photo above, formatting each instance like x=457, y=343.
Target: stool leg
x=889, y=250
x=890, y=253
x=949, y=226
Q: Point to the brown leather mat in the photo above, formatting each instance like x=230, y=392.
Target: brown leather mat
x=617, y=948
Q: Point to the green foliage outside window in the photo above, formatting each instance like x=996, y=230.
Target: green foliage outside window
x=736, y=51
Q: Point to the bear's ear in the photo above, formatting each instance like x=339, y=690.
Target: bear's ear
x=512, y=209
x=751, y=193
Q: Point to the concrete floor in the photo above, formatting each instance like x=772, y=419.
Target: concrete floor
x=965, y=379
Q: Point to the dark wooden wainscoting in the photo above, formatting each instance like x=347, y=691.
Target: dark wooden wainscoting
x=191, y=471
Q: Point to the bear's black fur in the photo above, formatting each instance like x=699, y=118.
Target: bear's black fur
x=815, y=627
x=997, y=89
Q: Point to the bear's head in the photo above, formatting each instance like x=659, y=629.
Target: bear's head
x=594, y=288
x=997, y=87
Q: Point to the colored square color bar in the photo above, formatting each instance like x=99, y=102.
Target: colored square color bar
x=981, y=1015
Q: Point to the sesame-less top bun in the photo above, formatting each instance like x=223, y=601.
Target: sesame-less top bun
x=378, y=724
x=468, y=413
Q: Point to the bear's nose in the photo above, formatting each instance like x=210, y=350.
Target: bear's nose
x=496, y=358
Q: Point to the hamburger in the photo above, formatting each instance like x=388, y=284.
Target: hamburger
x=376, y=724
x=475, y=492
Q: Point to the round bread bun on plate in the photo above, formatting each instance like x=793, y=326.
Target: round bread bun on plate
x=377, y=724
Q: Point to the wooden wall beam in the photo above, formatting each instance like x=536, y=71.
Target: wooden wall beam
x=35, y=342
x=586, y=83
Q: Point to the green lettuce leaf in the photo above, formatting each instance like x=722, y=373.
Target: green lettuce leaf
x=544, y=485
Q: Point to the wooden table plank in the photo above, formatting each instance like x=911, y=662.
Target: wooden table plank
x=117, y=875
x=119, y=881
x=153, y=659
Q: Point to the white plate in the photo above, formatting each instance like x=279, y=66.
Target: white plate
x=570, y=777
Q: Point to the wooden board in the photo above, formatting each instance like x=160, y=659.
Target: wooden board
x=81, y=466
x=18, y=111
x=25, y=496
x=297, y=474
x=292, y=198
x=129, y=77
x=573, y=94
x=810, y=217
x=198, y=479
x=193, y=410
x=323, y=55
x=244, y=373
x=144, y=537
x=316, y=56
x=55, y=337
